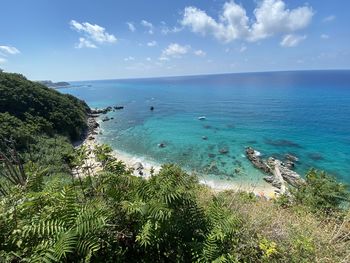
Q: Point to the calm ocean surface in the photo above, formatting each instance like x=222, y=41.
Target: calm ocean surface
x=305, y=113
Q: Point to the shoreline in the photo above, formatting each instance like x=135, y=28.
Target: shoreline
x=143, y=167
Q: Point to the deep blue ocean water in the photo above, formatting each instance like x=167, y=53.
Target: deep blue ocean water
x=305, y=113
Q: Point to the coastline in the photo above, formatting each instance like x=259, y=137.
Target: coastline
x=145, y=168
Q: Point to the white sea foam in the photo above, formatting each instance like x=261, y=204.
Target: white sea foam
x=257, y=153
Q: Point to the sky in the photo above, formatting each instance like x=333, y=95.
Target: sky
x=107, y=39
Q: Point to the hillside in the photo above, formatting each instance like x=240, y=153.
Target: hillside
x=30, y=106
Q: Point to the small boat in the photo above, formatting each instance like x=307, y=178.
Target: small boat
x=202, y=118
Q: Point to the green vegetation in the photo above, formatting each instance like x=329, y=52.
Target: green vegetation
x=47, y=214
x=321, y=193
x=117, y=217
x=32, y=108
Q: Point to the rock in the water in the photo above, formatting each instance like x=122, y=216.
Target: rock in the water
x=101, y=111
x=151, y=108
x=161, y=145
x=118, y=107
x=211, y=155
x=105, y=119
x=290, y=165
x=256, y=161
x=138, y=166
x=223, y=151
x=291, y=157
x=204, y=137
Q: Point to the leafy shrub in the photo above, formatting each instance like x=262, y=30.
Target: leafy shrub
x=321, y=192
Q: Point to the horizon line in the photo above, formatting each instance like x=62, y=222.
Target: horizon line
x=199, y=75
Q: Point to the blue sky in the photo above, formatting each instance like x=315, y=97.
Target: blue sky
x=80, y=40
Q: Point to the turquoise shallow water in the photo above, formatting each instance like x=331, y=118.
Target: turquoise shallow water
x=303, y=113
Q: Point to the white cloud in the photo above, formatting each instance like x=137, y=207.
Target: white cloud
x=329, y=18
x=131, y=26
x=94, y=34
x=130, y=58
x=8, y=50
x=85, y=43
x=166, y=30
x=325, y=36
x=175, y=50
x=271, y=17
x=152, y=43
x=148, y=59
x=200, y=53
x=3, y=60
x=148, y=25
x=291, y=40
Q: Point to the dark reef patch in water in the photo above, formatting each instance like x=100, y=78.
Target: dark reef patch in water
x=282, y=143
x=211, y=155
x=252, y=142
x=315, y=156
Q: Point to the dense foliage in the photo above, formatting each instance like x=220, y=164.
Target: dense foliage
x=29, y=107
x=117, y=217
x=321, y=192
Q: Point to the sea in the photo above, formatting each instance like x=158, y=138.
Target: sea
x=205, y=122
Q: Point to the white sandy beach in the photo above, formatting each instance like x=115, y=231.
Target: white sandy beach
x=258, y=188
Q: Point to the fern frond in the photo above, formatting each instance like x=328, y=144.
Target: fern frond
x=42, y=229
x=145, y=236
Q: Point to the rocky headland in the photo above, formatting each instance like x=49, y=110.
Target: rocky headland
x=279, y=174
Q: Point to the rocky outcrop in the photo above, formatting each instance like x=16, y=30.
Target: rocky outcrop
x=279, y=173
x=92, y=129
x=101, y=111
x=138, y=167
x=256, y=160
x=287, y=174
